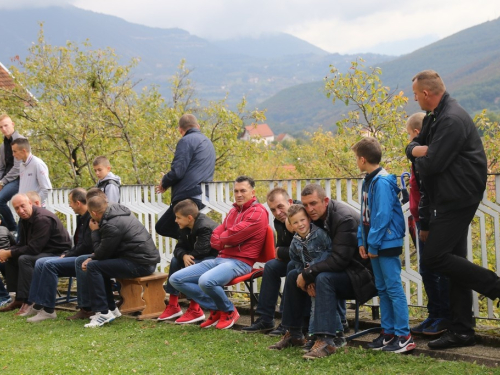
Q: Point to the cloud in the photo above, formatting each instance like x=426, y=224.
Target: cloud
x=20, y=4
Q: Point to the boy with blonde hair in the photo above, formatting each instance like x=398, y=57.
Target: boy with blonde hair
x=108, y=182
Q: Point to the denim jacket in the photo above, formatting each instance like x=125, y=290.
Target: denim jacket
x=317, y=243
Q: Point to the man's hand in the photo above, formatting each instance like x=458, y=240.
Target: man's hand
x=423, y=235
x=4, y=255
x=62, y=256
x=93, y=225
x=311, y=290
x=84, y=264
x=419, y=151
x=188, y=260
x=160, y=189
x=301, y=283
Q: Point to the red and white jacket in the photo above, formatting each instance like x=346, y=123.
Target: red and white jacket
x=242, y=234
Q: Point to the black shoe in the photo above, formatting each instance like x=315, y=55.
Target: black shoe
x=452, y=340
x=382, y=340
x=259, y=326
x=279, y=331
x=345, y=326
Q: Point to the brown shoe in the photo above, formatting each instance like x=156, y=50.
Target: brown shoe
x=287, y=341
x=319, y=350
x=12, y=306
x=25, y=308
x=81, y=314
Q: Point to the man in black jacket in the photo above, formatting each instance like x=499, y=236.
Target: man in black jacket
x=42, y=297
x=279, y=202
x=343, y=275
x=194, y=162
x=42, y=235
x=123, y=248
x=450, y=158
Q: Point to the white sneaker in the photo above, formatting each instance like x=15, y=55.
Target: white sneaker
x=41, y=316
x=30, y=311
x=116, y=312
x=99, y=319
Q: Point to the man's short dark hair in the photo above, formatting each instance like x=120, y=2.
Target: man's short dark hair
x=314, y=188
x=271, y=196
x=22, y=143
x=97, y=204
x=101, y=160
x=368, y=148
x=294, y=210
x=78, y=195
x=250, y=180
x=186, y=207
x=188, y=121
x=95, y=192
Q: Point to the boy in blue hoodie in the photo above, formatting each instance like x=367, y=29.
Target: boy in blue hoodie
x=380, y=238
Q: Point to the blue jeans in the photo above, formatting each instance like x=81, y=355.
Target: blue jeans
x=393, y=304
x=82, y=289
x=436, y=286
x=6, y=194
x=99, y=277
x=175, y=266
x=204, y=282
x=45, y=277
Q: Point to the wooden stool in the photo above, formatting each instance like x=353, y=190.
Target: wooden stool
x=144, y=294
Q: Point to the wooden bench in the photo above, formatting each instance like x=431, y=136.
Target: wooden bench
x=144, y=294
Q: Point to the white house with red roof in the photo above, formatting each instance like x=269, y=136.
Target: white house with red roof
x=258, y=133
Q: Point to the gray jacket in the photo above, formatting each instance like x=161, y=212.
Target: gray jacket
x=13, y=174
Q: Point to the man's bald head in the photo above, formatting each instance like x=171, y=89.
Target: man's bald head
x=22, y=205
x=188, y=121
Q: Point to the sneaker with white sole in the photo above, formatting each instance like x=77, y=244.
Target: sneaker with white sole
x=116, y=312
x=381, y=341
x=170, y=312
x=191, y=316
x=400, y=344
x=99, y=319
x=41, y=316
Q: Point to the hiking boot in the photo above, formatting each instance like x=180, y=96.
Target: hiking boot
x=319, y=350
x=382, y=340
x=452, y=340
x=278, y=332
x=286, y=341
x=437, y=327
x=99, y=319
x=309, y=344
x=340, y=340
x=260, y=325
x=400, y=344
x=170, y=312
x=227, y=319
x=419, y=329
x=191, y=316
x=41, y=316
x=81, y=314
x=212, y=320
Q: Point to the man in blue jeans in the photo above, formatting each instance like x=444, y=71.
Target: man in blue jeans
x=9, y=171
x=42, y=297
x=123, y=248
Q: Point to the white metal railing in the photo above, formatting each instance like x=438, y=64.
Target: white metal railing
x=483, y=244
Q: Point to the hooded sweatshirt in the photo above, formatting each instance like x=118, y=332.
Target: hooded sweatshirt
x=110, y=185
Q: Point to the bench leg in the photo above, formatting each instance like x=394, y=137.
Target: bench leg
x=154, y=296
x=131, y=293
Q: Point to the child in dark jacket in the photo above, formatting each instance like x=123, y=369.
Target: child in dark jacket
x=6, y=240
x=436, y=285
x=192, y=247
x=380, y=238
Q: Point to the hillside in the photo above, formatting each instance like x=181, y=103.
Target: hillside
x=468, y=61
x=271, y=63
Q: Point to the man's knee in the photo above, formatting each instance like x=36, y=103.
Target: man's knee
x=207, y=283
x=275, y=268
x=26, y=261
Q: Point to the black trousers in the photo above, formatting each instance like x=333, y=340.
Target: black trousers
x=166, y=225
x=446, y=251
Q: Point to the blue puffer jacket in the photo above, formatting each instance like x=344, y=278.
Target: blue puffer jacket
x=194, y=162
x=387, y=225
x=317, y=243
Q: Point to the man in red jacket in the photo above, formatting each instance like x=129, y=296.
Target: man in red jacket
x=239, y=240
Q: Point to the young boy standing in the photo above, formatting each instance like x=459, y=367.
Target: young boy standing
x=380, y=238
x=192, y=247
x=108, y=182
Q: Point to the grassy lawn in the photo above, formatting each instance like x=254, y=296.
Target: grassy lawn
x=127, y=346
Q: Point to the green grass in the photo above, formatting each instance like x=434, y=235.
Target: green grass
x=127, y=346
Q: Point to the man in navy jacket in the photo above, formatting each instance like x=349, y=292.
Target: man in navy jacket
x=194, y=162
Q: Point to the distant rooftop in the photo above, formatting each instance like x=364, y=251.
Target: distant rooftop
x=260, y=129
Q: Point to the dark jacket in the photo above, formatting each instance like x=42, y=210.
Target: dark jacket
x=453, y=172
x=43, y=232
x=82, y=237
x=283, y=240
x=341, y=224
x=194, y=162
x=121, y=235
x=196, y=241
x=6, y=238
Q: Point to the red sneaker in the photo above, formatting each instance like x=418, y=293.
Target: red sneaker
x=227, y=319
x=171, y=312
x=191, y=316
x=212, y=319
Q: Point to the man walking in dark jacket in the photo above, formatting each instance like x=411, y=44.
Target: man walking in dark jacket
x=450, y=158
x=194, y=162
x=123, y=248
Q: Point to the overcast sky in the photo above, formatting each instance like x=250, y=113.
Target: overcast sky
x=344, y=26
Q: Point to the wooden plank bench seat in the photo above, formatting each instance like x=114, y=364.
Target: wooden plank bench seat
x=144, y=294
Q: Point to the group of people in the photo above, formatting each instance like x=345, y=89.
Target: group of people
x=327, y=251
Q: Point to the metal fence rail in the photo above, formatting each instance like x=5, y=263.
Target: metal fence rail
x=483, y=241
